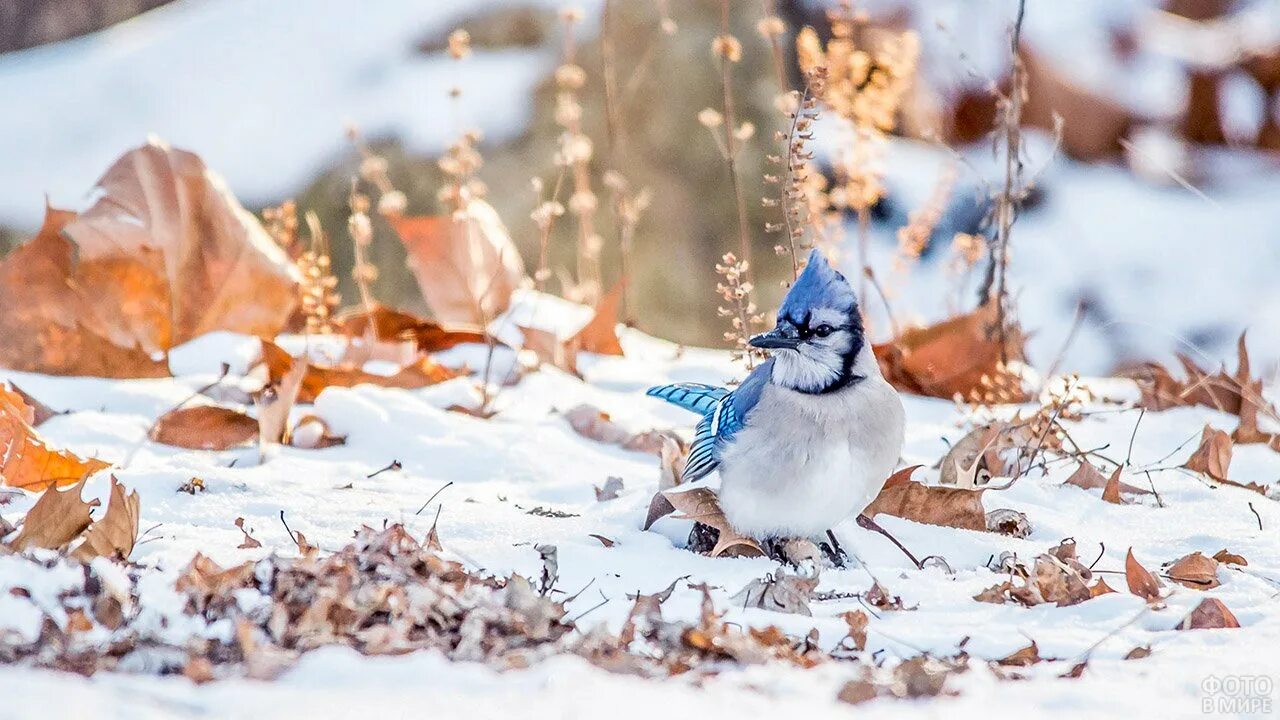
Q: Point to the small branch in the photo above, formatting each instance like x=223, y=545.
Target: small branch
x=433, y=497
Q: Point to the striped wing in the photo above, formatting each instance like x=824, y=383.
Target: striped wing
x=723, y=414
x=694, y=397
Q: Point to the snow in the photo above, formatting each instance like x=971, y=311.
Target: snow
x=528, y=457
x=261, y=89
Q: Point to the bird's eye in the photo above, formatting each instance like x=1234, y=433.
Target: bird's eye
x=823, y=330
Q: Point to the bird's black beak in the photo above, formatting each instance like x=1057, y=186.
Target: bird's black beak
x=773, y=340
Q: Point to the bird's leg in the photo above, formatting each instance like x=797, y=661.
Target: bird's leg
x=834, y=552
x=867, y=523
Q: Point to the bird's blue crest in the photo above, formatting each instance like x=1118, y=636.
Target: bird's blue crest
x=819, y=286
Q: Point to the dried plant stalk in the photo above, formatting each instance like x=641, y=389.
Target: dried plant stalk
x=743, y=316
x=575, y=154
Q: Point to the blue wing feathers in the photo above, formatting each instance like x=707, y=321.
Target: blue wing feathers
x=724, y=413
x=694, y=397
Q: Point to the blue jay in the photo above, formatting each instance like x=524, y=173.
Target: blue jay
x=810, y=436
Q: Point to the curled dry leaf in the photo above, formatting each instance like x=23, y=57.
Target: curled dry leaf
x=164, y=255
x=1111, y=492
x=1195, y=571
x=1210, y=614
x=595, y=424
x=701, y=505
x=1230, y=558
x=610, y=491
x=57, y=518
x=391, y=325
x=1090, y=478
x=604, y=540
x=599, y=336
x=39, y=411
x=671, y=467
x=113, y=536
x=975, y=459
x=1213, y=456
x=957, y=357
x=276, y=402
x=1024, y=657
x=1239, y=393
x=931, y=504
x=420, y=373
x=204, y=427
x=312, y=433
x=1213, y=459
x=465, y=263
x=857, y=622
x=249, y=542
x=26, y=460
x=1141, y=582
x=779, y=592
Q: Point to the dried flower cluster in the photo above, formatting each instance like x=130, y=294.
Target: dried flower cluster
x=282, y=225
x=869, y=72
x=318, y=289
x=798, y=182
x=360, y=228
x=913, y=237
x=460, y=163
x=735, y=289
x=545, y=212
x=574, y=155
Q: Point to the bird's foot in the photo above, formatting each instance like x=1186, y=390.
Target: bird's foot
x=835, y=554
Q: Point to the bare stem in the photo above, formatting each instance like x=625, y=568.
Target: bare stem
x=731, y=141
x=1009, y=198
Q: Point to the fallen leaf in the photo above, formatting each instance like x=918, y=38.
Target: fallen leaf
x=164, y=255
x=1111, y=492
x=114, y=534
x=390, y=325
x=611, y=490
x=604, y=540
x=1100, y=588
x=39, y=411
x=1210, y=614
x=1195, y=571
x=1099, y=123
x=1090, y=478
x=249, y=542
x=975, y=458
x=276, y=402
x=466, y=265
x=1223, y=556
x=701, y=505
x=960, y=356
x=1024, y=657
x=420, y=373
x=1005, y=521
x=1141, y=582
x=50, y=321
x=1213, y=456
x=857, y=622
x=57, y=518
x=312, y=433
x=1239, y=394
x=779, y=592
x=26, y=460
x=590, y=422
x=1138, y=653
x=204, y=427
x=931, y=504
x=600, y=334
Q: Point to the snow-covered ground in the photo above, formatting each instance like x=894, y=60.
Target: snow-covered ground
x=528, y=457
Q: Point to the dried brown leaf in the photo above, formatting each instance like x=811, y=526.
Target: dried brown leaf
x=115, y=533
x=1213, y=456
x=420, y=373
x=959, y=356
x=931, y=504
x=1210, y=614
x=57, y=518
x=1140, y=580
x=466, y=265
x=204, y=427
x=26, y=460
x=702, y=505
x=1224, y=556
x=1195, y=571
x=391, y=325
x=1090, y=478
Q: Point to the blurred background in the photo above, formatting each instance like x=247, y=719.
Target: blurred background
x=1153, y=225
